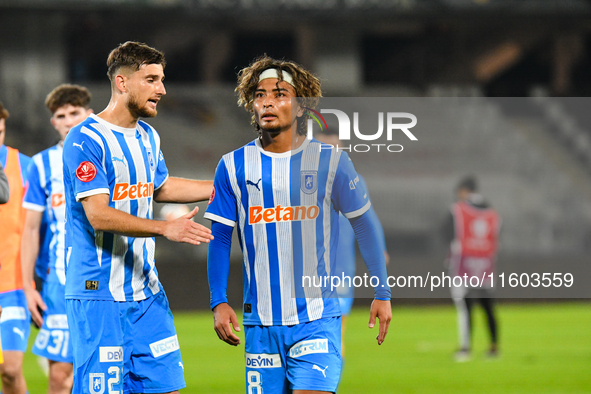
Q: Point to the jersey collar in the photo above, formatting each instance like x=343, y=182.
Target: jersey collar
x=123, y=130
x=300, y=148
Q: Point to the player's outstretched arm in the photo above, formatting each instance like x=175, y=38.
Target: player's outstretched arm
x=104, y=218
x=182, y=190
x=225, y=320
x=29, y=252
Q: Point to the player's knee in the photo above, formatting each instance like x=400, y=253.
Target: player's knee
x=10, y=373
x=61, y=379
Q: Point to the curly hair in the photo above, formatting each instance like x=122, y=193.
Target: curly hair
x=307, y=86
x=65, y=94
x=132, y=55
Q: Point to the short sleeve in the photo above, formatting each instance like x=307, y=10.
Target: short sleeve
x=161, y=172
x=83, y=164
x=349, y=193
x=222, y=206
x=35, y=198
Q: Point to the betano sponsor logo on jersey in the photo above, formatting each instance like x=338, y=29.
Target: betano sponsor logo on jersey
x=258, y=214
x=125, y=191
x=57, y=200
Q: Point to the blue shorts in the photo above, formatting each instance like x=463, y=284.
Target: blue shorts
x=15, y=324
x=128, y=347
x=53, y=340
x=280, y=359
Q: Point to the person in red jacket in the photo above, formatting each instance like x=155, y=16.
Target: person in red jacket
x=472, y=231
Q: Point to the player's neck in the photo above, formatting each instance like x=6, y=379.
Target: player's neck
x=118, y=114
x=281, y=142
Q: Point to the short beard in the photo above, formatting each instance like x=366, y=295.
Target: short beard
x=138, y=112
x=270, y=130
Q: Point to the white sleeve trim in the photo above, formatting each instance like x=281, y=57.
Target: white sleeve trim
x=92, y=192
x=216, y=218
x=359, y=212
x=33, y=207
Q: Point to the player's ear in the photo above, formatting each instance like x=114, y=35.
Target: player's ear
x=52, y=121
x=121, y=83
x=89, y=111
x=300, y=111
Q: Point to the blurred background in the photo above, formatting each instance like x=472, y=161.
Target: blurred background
x=534, y=165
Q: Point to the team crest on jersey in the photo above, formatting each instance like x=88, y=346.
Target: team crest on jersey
x=97, y=383
x=86, y=171
x=309, y=181
x=151, y=159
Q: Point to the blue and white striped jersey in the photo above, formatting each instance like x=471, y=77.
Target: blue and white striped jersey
x=45, y=193
x=286, y=207
x=126, y=164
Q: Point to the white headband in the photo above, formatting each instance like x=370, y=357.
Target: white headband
x=272, y=73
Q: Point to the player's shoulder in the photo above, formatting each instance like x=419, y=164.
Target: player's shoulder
x=324, y=148
x=82, y=130
x=24, y=160
x=38, y=159
x=239, y=151
x=87, y=132
x=362, y=181
x=89, y=123
x=22, y=156
x=315, y=144
x=44, y=153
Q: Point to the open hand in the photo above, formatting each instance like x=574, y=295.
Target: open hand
x=186, y=230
